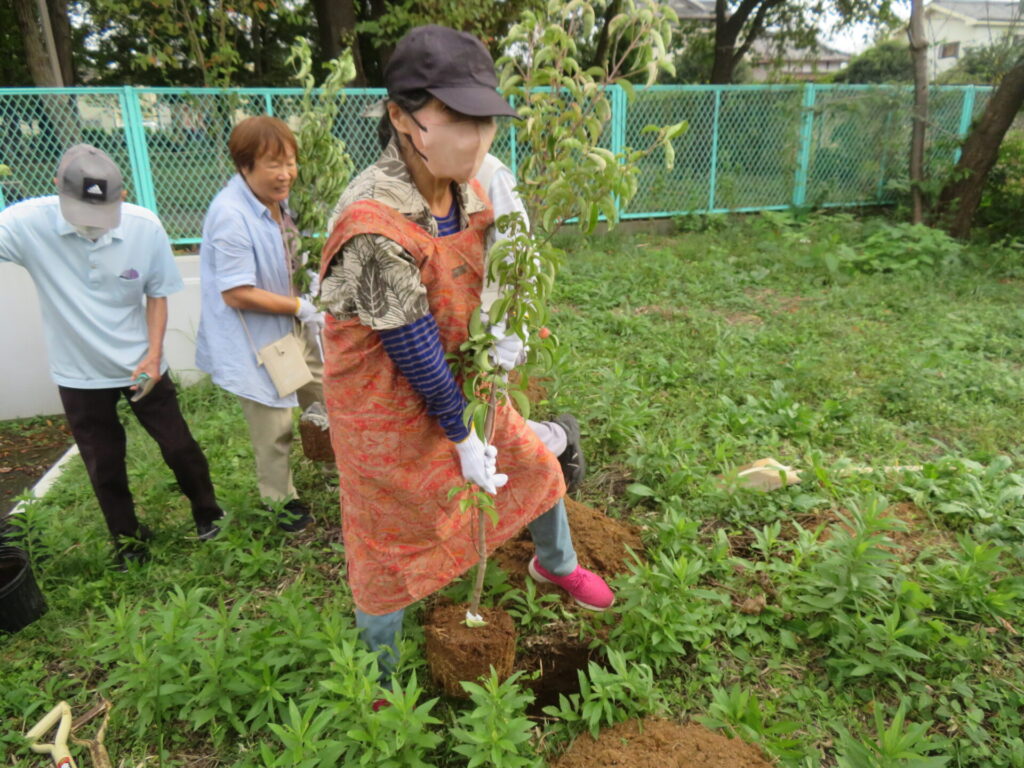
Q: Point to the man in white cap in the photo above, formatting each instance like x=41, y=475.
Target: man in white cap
x=103, y=270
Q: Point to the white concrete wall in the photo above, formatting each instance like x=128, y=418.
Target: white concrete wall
x=25, y=385
x=940, y=29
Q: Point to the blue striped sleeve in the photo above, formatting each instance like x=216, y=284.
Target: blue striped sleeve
x=416, y=350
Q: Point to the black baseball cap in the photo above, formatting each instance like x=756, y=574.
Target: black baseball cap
x=453, y=67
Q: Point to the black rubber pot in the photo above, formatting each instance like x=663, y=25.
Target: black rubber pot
x=21, y=602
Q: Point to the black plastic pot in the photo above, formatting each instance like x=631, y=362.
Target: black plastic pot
x=21, y=602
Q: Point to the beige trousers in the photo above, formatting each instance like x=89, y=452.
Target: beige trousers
x=271, y=431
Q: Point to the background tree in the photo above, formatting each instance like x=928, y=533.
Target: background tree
x=959, y=199
x=37, y=32
x=383, y=23
x=192, y=42
x=886, y=62
x=13, y=59
x=738, y=23
x=695, y=58
x=336, y=30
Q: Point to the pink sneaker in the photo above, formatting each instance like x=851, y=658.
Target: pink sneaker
x=588, y=589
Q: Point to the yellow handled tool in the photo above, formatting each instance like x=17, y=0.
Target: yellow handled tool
x=60, y=716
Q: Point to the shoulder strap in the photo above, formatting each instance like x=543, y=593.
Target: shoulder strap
x=248, y=335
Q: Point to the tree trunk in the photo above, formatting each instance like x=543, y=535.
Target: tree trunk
x=601, y=54
x=60, y=110
x=61, y=26
x=960, y=197
x=918, y=50
x=726, y=34
x=336, y=28
x=36, y=55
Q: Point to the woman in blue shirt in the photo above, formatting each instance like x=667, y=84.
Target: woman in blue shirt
x=247, y=258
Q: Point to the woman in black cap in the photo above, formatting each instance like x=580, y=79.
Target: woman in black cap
x=402, y=273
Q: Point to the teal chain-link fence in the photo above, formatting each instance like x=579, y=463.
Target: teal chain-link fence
x=747, y=148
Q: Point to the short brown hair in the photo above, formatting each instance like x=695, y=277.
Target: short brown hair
x=255, y=137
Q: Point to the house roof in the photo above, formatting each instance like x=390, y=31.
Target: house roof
x=765, y=49
x=693, y=9
x=979, y=10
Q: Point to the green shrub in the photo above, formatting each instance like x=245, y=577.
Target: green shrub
x=1003, y=199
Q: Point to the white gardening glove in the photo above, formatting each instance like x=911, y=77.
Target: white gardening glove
x=312, y=320
x=508, y=350
x=307, y=312
x=479, y=463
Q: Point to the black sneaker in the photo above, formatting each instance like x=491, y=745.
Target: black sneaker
x=210, y=530
x=574, y=468
x=294, y=517
x=132, y=549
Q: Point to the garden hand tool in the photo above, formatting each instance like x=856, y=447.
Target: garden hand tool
x=97, y=750
x=144, y=385
x=60, y=716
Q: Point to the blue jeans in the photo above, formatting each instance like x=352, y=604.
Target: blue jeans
x=551, y=537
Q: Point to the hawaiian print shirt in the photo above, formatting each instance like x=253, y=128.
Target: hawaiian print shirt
x=374, y=278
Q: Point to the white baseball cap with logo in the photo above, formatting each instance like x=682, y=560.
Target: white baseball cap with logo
x=89, y=185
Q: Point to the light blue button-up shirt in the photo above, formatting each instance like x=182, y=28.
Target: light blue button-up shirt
x=242, y=245
x=91, y=293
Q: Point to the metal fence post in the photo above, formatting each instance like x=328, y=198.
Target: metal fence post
x=966, y=115
x=619, y=116
x=803, y=162
x=138, y=151
x=513, y=159
x=713, y=170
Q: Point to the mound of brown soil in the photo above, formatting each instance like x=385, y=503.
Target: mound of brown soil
x=656, y=743
x=456, y=652
x=599, y=540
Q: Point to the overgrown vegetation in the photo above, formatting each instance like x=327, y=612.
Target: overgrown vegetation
x=857, y=619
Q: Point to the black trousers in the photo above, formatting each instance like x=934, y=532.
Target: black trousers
x=92, y=416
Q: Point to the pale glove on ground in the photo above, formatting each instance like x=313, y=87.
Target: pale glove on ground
x=479, y=463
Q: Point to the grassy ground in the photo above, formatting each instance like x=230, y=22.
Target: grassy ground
x=855, y=619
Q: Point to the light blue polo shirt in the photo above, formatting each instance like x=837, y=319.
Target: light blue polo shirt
x=242, y=245
x=91, y=293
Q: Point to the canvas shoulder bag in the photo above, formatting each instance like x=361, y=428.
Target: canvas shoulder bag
x=284, y=361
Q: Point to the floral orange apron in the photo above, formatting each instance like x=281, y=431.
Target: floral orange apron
x=404, y=537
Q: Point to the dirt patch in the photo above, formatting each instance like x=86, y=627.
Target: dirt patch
x=743, y=318
x=610, y=481
x=28, y=448
x=914, y=534
x=551, y=662
x=456, y=652
x=778, y=303
x=599, y=540
x=657, y=743
x=920, y=534
x=668, y=313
